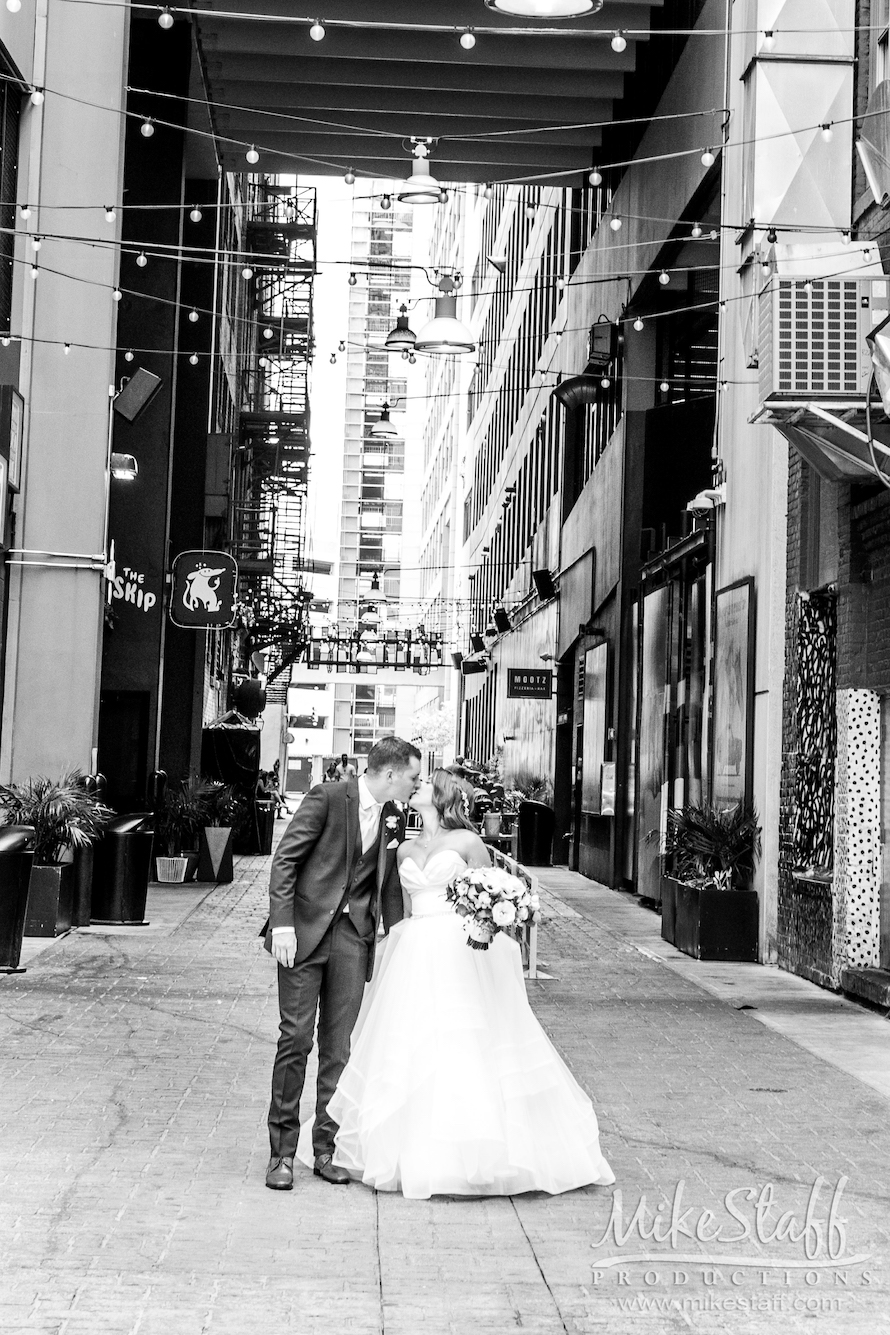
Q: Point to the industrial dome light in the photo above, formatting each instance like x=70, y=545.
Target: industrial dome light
x=402, y=338
x=421, y=186
x=445, y=335
x=545, y=9
x=383, y=427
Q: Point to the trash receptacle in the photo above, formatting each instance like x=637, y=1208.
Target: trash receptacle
x=536, y=824
x=15, y=874
x=265, y=824
x=121, y=871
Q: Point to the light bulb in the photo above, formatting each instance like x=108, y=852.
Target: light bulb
x=110, y=213
x=349, y=178
x=194, y=316
x=196, y=215
x=530, y=211
x=619, y=43
x=488, y=192
x=128, y=356
x=769, y=40
x=67, y=349
x=664, y=387
x=146, y=129
x=165, y=19
x=36, y=242
x=24, y=211
x=827, y=133
x=142, y=259
x=341, y=346
x=595, y=177
x=808, y=288
x=638, y=325
x=13, y=6
x=5, y=340
x=615, y=224
x=560, y=284
x=664, y=278
x=772, y=236
x=468, y=39
x=443, y=196
x=707, y=158
x=268, y=332
x=264, y=362
x=333, y=359
x=845, y=238
x=412, y=359
x=252, y=155
x=605, y=382
x=696, y=231
x=317, y=31
x=404, y=354
x=194, y=359
x=386, y=203
x=116, y=294
x=37, y=97
x=352, y=280
x=247, y=273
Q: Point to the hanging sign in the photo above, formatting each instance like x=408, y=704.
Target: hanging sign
x=529, y=683
x=204, y=588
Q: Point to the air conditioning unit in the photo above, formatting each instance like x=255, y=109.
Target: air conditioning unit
x=812, y=336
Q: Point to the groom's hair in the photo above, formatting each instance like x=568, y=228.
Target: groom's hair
x=391, y=753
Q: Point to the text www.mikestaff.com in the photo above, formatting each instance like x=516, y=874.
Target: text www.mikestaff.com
x=712, y=1302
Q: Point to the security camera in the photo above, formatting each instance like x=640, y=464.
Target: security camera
x=707, y=500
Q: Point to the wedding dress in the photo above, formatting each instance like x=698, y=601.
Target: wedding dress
x=452, y=1086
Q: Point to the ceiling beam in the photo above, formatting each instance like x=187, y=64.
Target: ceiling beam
x=352, y=149
x=459, y=13
x=381, y=169
x=261, y=128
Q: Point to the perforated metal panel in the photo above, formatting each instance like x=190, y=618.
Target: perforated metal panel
x=812, y=336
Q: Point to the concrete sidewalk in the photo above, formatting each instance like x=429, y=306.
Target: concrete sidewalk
x=134, y=1074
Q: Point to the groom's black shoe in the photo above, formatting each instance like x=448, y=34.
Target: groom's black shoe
x=326, y=1168
x=280, y=1173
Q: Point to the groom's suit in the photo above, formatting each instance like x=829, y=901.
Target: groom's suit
x=333, y=892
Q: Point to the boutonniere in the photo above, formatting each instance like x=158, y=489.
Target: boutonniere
x=392, y=822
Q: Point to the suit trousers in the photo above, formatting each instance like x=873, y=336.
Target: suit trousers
x=329, y=982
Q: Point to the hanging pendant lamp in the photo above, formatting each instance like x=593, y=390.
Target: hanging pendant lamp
x=421, y=186
x=545, y=9
x=402, y=338
x=383, y=427
x=445, y=335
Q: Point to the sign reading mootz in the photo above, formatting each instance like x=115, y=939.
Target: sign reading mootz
x=529, y=683
x=204, y=588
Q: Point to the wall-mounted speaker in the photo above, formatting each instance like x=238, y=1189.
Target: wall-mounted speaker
x=544, y=586
x=478, y=644
x=457, y=659
x=137, y=394
x=502, y=621
x=473, y=665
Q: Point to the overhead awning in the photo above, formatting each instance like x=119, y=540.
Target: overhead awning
x=832, y=437
x=505, y=110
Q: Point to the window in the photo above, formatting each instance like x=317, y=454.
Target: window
x=881, y=21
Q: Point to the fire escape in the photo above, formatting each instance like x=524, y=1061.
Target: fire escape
x=272, y=468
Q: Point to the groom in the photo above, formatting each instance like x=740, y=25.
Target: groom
x=333, y=874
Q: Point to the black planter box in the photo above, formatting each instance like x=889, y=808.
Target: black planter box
x=215, y=855
x=15, y=877
x=710, y=924
x=536, y=822
x=121, y=874
x=50, y=901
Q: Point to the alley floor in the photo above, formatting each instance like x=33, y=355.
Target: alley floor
x=134, y=1074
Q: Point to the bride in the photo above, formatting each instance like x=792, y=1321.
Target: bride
x=452, y=1086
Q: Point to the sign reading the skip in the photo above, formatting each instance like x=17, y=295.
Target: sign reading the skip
x=204, y=588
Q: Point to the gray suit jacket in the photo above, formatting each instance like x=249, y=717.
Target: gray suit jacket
x=314, y=863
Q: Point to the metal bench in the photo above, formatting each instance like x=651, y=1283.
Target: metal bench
x=525, y=933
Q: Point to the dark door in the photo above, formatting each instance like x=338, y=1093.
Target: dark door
x=123, y=747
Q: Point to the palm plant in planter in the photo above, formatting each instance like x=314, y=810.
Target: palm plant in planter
x=186, y=811
x=709, y=909
x=65, y=817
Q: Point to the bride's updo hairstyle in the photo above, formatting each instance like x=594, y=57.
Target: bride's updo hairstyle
x=451, y=801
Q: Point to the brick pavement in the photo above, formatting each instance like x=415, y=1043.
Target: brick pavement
x=134, y=1075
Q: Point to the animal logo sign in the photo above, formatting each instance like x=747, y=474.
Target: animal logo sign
x=204, y=586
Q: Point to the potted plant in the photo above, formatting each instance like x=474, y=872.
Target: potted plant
x=536, y=818
x=709, y=909
x=65, y=816
x=225, y=810
x=186, y=811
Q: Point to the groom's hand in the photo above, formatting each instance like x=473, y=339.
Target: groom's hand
x=284, y=947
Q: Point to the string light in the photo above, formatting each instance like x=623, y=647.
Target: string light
x=67, y=349
x=696, y=231
x=664, y=387
x=349, y=178
x=412, y=359
x=615, y=224
x=247, y=273
x=110, y=213
x=128, y=356
x=560, y=284
x=196, y=215
x=638, y=325
x=116, y=294
x=268, y=332
x=5, y=340
x=769, y=40
x=36, y=242
x=317, y=31
x=468, y=39
x=664, y=278
x=619, y=42
x=352, y=280
x=13, y=6
x=707, y=158
x=24, y=211
x=827, y=133
x=142, y=259
x=146, y=129
x=772, y=236
x=845, y=238
x=386, y=203
x=165, y=19
x=333, y=359
x=488, y=192
x=37, y=97
x=34, y=272
x=194, y=359
x=194, y=316
x=443, y=196
x=341, y=346
x=595, y=177
x=252, y=155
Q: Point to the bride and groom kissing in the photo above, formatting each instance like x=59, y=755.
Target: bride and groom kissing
x=434, y=1076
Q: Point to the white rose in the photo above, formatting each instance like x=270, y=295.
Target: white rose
x=534, y=903
x=483, y=899
x=504, y=914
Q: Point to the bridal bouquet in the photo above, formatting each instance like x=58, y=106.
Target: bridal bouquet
x=490, y=901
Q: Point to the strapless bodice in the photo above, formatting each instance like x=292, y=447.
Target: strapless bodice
x=426, y=884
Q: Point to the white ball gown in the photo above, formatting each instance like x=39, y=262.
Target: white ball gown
x=452, y=1086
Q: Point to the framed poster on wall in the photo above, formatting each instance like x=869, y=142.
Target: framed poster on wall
x=732, y=717
x=596, y=671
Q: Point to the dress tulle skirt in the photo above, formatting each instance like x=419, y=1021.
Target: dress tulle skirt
x=452, y=1086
